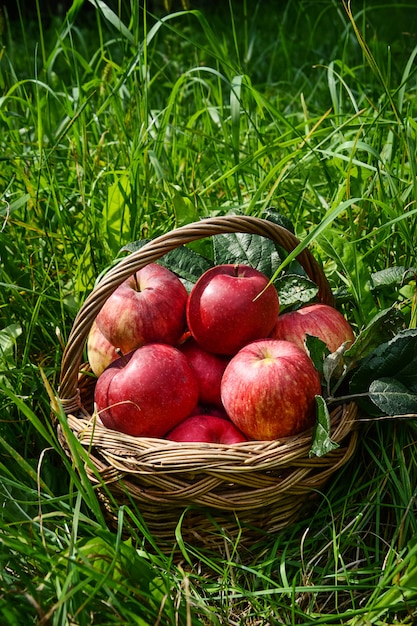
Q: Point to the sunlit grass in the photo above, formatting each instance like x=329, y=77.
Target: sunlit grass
x=118, y=125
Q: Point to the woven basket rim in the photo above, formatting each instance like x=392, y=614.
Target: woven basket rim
x=247, y=454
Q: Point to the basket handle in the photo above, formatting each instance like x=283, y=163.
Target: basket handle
x=151, y=252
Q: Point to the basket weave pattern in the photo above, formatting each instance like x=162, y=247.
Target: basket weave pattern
x=259, y=485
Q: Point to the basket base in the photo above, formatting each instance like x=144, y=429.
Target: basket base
x=203, y=529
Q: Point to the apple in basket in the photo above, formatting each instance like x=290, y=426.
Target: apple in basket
x=230, y=306
x=208, y=368
x=148, y=306
x=268, y=389
x=100, y=351
x=207, y=429
x=318, y=320
x=146, y=392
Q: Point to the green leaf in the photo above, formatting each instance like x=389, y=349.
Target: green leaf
x=134, y=246
x=395, y=359
x=396, y=276
x=183, y=261
x=317, y=350
x=392, y=397
x=187, y=263
x=322, y=442
x=330, y=365
x=246, y=249
x=294, y=290
x=381, y=328
x=274, y=216
x=334, y=368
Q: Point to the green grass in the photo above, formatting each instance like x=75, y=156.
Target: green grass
x=117, y=129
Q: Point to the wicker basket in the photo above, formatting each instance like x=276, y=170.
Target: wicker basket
x=244, y=489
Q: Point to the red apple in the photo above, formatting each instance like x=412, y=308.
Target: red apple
x=230, y=306
x=208, y=429
x=100, y=352
x=319, y=320
x=269, y=388
x=146, y=392
x=149, y=306
x=208, y=368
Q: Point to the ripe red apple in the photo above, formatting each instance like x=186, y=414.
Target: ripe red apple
x=227, y=308
x=149, y=306
x=319, y=320
x=100, y=352
x=146, y=392
x=208, y=368
x=269, y=388
x=208, y=429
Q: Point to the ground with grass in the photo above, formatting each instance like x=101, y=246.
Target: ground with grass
x=119, y=124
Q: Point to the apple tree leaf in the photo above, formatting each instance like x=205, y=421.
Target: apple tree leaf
x=392, y=397
x=396, y=276
x=276, y=217
x=133, y=246
x=295, y=290
x=381, y=328
x=259, y=252
x=396, y=360
x=186, y=263
x=330, y=365
x=322, y=442
x=317, y=350
x=246, y=249
x=183, y=261
x=334, y=365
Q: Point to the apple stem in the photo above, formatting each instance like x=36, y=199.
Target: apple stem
x=343, y=399
x=137, y=282
x=121, y=355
